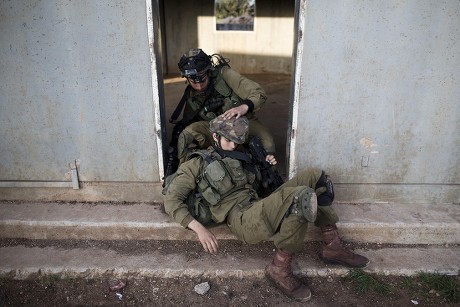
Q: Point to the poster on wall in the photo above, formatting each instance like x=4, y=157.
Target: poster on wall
x=234, y=15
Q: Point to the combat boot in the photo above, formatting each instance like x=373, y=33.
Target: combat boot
x=332, y=250
x=279, y=272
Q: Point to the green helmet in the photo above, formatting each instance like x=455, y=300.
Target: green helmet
x=234, y=129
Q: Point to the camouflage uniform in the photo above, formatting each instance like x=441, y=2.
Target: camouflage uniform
x=232, y=88
x=251, y=219
x=283, y=216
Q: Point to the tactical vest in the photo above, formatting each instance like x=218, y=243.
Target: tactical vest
x=221, y=92
x=219, y=177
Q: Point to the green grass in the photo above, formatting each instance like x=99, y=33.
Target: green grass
x=365, y=282
x=48, y=280
x=422, y=284
x=447, y=286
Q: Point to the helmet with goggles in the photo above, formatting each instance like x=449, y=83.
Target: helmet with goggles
x=194, y=65
x=234, y=129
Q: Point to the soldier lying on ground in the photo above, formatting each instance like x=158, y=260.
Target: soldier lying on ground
x=222, y=181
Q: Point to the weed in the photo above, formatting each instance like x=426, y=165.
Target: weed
x=364, y=282
x=408, y=282
x=445, y=285
x=69, y=278
x=48, y=280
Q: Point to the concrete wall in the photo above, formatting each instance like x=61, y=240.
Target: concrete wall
x=375, y=94
x=77, y=87
x=191, y=24
x=376, y=99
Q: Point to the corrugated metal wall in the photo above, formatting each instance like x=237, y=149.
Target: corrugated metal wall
x=377, y=98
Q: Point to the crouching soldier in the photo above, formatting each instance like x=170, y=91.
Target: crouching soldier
x=218, y=185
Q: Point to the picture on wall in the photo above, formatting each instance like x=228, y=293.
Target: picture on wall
x=234, y=15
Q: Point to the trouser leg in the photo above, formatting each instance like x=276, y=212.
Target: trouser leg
x=196, y=135
x=309, y=177
x=267, y=218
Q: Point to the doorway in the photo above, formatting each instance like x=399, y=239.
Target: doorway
x=263, y=55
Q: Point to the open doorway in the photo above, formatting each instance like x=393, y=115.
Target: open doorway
x=263, y=55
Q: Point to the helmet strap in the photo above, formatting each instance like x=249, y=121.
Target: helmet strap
x=217, y=140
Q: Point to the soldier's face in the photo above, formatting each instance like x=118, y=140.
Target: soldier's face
x=199, y=86
x=224, y=143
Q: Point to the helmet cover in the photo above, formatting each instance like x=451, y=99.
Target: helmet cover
x=234, y=129
x=194, y=63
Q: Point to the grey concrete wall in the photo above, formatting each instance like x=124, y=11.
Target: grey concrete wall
x=376, y=100
x=191, y=24
x=375, y=96
x=76, y=85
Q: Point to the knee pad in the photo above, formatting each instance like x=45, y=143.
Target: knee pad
x=305, y=205
x=185, y=144
x=324, y=190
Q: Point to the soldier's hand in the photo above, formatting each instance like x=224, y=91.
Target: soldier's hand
x=207, y=238
x=271, y=159
x=236, y=112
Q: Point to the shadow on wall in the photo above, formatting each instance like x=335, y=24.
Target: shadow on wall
x=180, y=30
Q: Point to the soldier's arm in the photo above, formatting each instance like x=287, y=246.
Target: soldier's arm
x=176, y=208
x=245, y=88
x=179, y=189
x=207, y=238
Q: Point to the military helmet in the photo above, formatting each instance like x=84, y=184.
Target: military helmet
x=234, y=129
x=194, y=64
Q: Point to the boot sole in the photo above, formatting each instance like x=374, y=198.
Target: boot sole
x=332, y=261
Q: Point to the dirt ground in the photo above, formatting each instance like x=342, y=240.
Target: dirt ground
x=62, y=290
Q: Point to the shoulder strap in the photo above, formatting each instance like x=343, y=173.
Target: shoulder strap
x=248, y=164
x=204, y=153
x=180, y=105
x=183, y=100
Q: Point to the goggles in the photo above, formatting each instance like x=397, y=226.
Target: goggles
x=194, y=77
x=198, y=78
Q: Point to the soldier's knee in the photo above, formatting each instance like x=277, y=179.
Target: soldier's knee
x=324, y=190
x=185, y=143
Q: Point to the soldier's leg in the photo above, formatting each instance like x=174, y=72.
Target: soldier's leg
x=194, y=136
x=262, y=220
x=280, y=216
x=257, y=129
x=332, y=251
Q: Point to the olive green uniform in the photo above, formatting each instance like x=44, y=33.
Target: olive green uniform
x=232, y=88
x=251, y=219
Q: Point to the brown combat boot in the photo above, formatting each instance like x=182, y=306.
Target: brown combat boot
x=332, y=250
x=279, y=272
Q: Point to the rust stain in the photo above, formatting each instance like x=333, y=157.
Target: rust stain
x=367, y=143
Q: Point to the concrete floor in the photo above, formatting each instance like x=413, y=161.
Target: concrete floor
x=275, y=113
